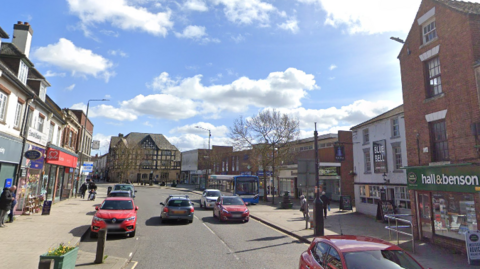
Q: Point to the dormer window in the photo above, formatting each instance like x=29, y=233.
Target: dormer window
x=429, y=31
x=42, y=92
x=23, y=72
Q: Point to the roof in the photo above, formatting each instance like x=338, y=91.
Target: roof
x=9, y=49
x=396, y=111
x=3, y=34
x=461, y=6
x=136, y=138
x=351, y=243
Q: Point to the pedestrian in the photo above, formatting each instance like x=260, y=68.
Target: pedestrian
x=6, y=200
x=83, y=190
x=14, y=203
x=303, y=206
x=326, y=203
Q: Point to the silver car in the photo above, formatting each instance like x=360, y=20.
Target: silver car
x=177, y=208
x=120, y=194
x=209, y=197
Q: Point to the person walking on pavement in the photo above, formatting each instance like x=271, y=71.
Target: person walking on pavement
x=14, y=203
x=303, y=206
x=6, y=200
x=326, y=203
x=83, y=190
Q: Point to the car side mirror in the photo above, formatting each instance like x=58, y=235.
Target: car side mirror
x=136, y=208
x=96, y=208
x=162, y=204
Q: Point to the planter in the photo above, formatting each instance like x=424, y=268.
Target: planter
x=66, y=261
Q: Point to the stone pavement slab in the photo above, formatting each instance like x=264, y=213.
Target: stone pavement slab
x=29, y=236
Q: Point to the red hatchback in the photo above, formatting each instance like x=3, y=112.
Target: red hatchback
x=355, y=252
x=231, y=208
x=116, y=214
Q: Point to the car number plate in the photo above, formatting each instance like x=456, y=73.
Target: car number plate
x=236, y=215
x=178, y=211
x=113, y=226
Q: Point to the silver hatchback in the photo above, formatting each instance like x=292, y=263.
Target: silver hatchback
x=177, y=208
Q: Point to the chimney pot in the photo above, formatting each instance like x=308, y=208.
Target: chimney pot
x=19, y=22
x=26, y=23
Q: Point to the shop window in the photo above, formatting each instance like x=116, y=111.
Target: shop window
x=454, y=214
x=369, y=194
x=402, y=198
x=438, y=132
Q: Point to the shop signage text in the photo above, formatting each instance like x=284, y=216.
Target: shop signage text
x=37, y=137
x=473, y=246
x=444, y=178
x=379, y=156
x=33, y=154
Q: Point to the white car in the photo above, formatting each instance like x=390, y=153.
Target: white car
x=209, y=197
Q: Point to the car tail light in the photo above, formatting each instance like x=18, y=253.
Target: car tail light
x=165, y=209
x=192, y=209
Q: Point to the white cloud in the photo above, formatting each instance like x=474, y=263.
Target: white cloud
x=369, y=16
x=148, y=124
x=69, y=88
x=122, y=15
x=107, y=96
x=162, y=106
x=53, y=74
x=218, y=131
x=290, y=25
x=117, y=52
x=192, y=141
x=246, y=11
x=196, y=33
x=239, y=38
x=195, y=5
x=332, y=67
x=107, y=111
x=78, y=61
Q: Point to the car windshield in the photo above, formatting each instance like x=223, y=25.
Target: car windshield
x=388, y=259
x=123, y=187
x=212, y=194
x=178, y=203
x=119, y=194
x=117, y=205
x=233, y=201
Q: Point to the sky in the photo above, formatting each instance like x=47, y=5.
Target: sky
x=169, y=66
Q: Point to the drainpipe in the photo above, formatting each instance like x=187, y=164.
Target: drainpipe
x=24, y=142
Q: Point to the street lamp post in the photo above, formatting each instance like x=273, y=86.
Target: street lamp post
x=83, y=140
x=273, y=172
x=318, y=213
x=209, y=136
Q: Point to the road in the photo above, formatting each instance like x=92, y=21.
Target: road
x=205, y=243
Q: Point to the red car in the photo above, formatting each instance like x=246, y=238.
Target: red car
x=117, y=214
x=355, y=252
x=231, y=208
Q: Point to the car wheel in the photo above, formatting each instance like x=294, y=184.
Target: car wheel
x=93, y=235
x=133, y=233
x=205, y=205
x=190, y=221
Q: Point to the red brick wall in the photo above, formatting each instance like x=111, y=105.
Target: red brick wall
x=345, y=138
x=458, y=53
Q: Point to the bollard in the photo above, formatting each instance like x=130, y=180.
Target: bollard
x=46, y=264
x=102, y=238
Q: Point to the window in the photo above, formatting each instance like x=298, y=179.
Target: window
x=434, y=82
x=30, y=118
x=397, y=156
x=429, y=32
x=50, y=132
x=23, y=72
x=333, y=259
x=40, y=121
x=42, y=92
x=395, y=128
x=439, y=141
x=18, y=115
x=402, y=198
x=366, y=136
x=366, y=161
x=3, y=105
x=70, y=134
x=59, y=134
x=319, y=252
x=454, y=213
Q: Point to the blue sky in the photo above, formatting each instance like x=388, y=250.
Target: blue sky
x=168, y=66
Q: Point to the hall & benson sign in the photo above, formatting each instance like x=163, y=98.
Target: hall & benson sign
x=444, y=178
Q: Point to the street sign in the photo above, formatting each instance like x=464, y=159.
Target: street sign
x=473, y=247
x=96, y=144
x=87, y=167
x=8, y=183
x=33, y=154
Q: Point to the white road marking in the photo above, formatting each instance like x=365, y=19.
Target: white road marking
x=130, y=256
x=134, y=265
x=209, y=228
x=225, y=244
x=196, y=217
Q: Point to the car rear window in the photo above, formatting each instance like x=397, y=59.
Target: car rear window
x=388, y=259
x=123, y=187
x=178, y=203
x=213, y=193
x=119, y=194
x=233, y=201
x=117, y=205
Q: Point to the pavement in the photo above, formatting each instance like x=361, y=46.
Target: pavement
x=29, y=236
x=291, y=222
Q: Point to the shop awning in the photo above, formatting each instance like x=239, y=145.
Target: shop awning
x=58, y=157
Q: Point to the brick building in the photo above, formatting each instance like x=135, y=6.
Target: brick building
x=440, y=71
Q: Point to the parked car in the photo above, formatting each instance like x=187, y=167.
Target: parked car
x=231, y=208
x=177, y=207
x=120, y=194
x=117, y=214
x=355, y=252
x=125, y=187
x=209, y=197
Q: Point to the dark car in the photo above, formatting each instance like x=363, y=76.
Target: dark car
x=177, y=208
x=120, y=194
x=117, y=214
x=125, y=187
x=231, y=208
x=351, y=252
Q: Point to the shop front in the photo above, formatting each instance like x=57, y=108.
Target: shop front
x=60, y=171
x=32, y=186
x=10, y=154
x=444, y=199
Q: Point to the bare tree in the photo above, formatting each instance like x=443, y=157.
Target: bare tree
x=263, y=133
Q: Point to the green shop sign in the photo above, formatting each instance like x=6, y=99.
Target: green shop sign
x=444, y=178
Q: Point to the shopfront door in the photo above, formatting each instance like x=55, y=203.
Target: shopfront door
x=425, y=214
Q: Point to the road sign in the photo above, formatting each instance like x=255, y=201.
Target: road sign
x=87, y=167
x=96, y=144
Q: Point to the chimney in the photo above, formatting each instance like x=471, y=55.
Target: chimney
x=22, y=37
x=120, y=135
